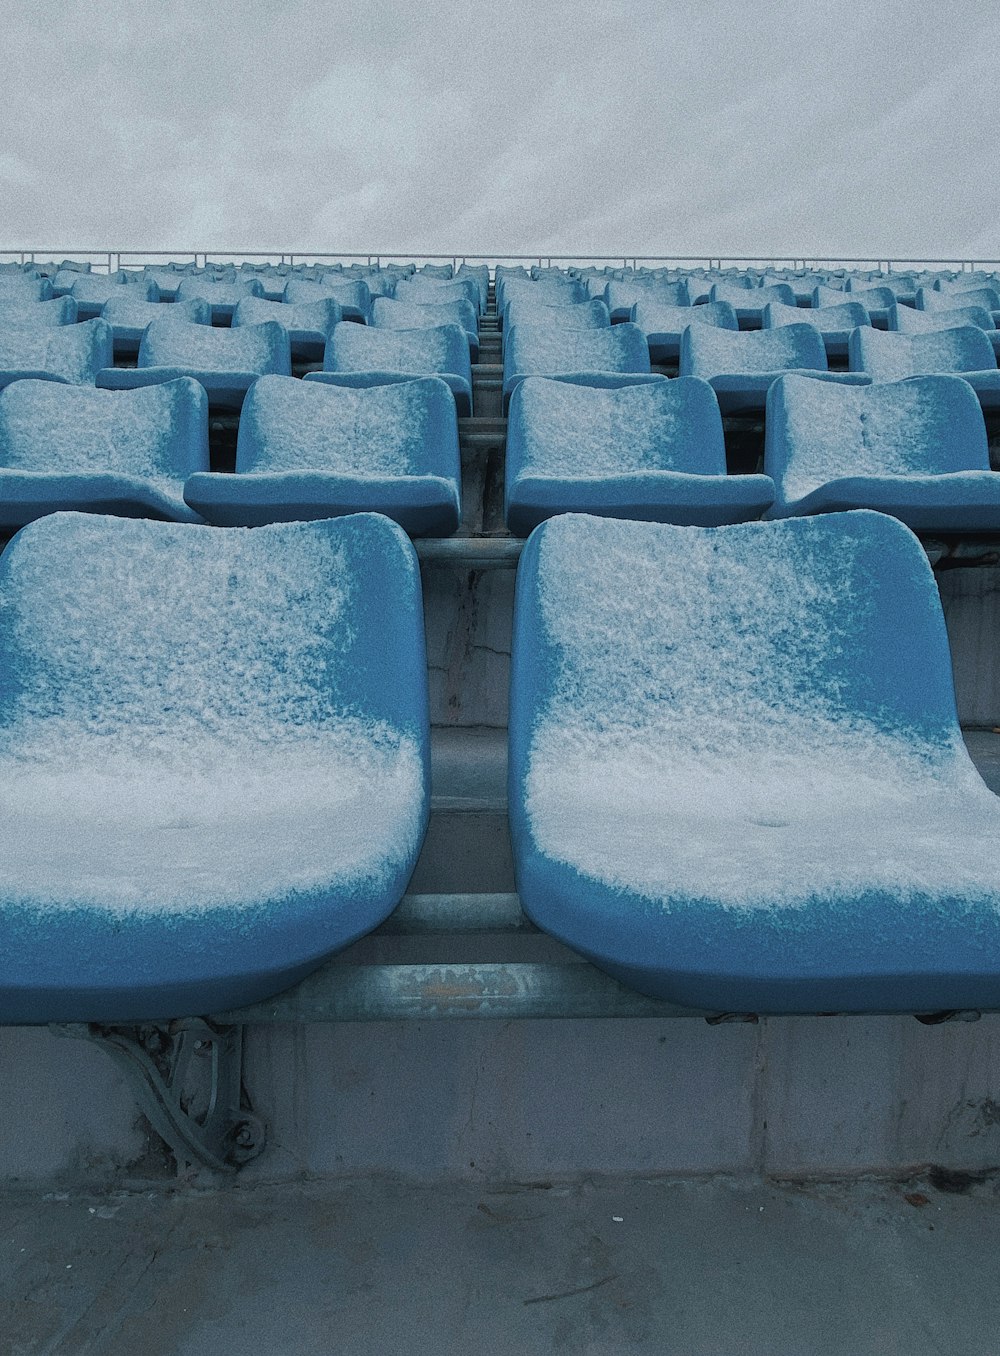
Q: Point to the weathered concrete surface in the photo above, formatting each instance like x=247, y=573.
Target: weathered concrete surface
x=611, y=1268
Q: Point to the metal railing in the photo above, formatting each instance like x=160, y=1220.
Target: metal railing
x=109, y=261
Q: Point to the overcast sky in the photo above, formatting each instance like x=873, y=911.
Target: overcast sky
x=806, y=128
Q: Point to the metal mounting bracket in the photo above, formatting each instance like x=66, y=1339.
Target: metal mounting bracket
x=188, y=1079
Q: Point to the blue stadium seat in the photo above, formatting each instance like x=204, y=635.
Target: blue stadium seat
x=389, y=313
x=226, y=361
x=309, y=323
x=906, y=320
x=579, y=315
x=354, y=295
x=544, y=351
x=222, y=295
x=419, y=290
x=214, y=759
x=916, y=449
x=74, y=447
x=893, y=356
x=309, y=450
x=928, y=299
x=749, y=303
x=742, y=366
x=128, y=315
x=653, y=450
x=876, y=298
x=664, y=325
x=55, y=311
x=833, y=322
x=91, y=290
x=480, y=273
x=72, y=353
x=624, y=293
x=20, y=287
x=546, y=291
x=366, y=356
x=757, y=798
x=168, y=278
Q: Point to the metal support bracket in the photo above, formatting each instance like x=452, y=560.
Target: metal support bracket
x=187, y=1076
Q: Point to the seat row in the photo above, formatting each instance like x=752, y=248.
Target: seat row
x=736, y=780
x=643, y=448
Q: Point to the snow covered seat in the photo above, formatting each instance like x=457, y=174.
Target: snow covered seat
x=213, y=758
x=916, y=449
x=891, y=356
x=742, y=366
x=226, y=361
x=749, y=303
x=391, y=314
x=72, y=353
x=624, y=293
x=545, y=351
x=309, y=323
x=480, y=275
x=128, y=315
x=929, y=299
x=757, y=799
x=91, y=290
x=424, y=291
x=310, y=450
x=906, y=320
x=877, y=298
x=365, y=356
x=578, y=315
x=544, y=291
x=75, y=447
x=22, y=287
x=221, y=294
x=664, y=325
x=653, y=450
x=168, y=278
x=833, y=322
x=353, y=295
x=55, y=311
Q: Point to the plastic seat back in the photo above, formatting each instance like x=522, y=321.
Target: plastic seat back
x=892, y=356
x=249, y=348
x=71, y=353
x=709, y=352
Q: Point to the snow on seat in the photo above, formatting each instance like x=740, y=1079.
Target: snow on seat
x=833, y=322
x=929, y=299
x=391, y=314
x=623, y=293
x=757, y=799
x=353, y=295
x=877, y=298
x=91, y=290
x=128, y=315
x=221, y=294
x=365, y=356
x=55, y=311
x=891, y=356
x=652, y=451
x=749, y=303
x=578, y=315
x=213, y=758
x=906, y=320
x=551, y=291
x=742, y=366
x=70, y=353
x=424, y=291
x=308, y=450
x=309, y=323
x=22, y=287
x=168, y=278
x=916, y=449
x=664, y=325
x=226, y=361
x=74, y=447
x=574, y=355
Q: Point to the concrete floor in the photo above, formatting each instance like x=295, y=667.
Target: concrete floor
x=719, y=1267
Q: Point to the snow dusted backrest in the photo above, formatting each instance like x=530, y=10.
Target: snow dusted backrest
x=159, y=433
x=407, y=428
x=557, y=428
x=423, y=291
x=544, y=350
x=876, y=296
x=906, y=320
x=314, y=317
x=221, y=294
x=821, y=431
x=754, y=298
x=709, y=352
x=393, y=314
x=128, y=315
x=18, y=287
x=548, y=291
x=206, y=348
x=845, y=315
x=654, y=318
x=892, y=356
x=623, y=294
x=928, y=299
x=422, y=352
x=354, y=295
x=94, y=289
x=73, y=353
x=580, y=315
x=56, y=311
